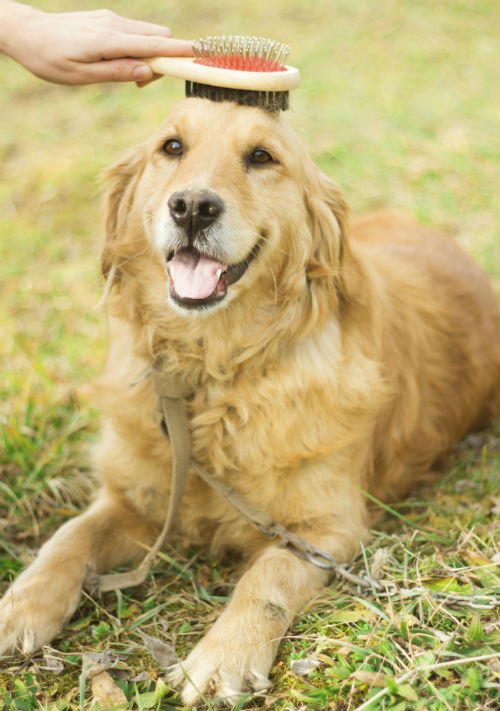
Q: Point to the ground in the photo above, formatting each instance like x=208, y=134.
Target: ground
x=398, y=104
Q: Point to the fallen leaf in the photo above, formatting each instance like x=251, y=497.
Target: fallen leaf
x=162, y=653
x=324, y=658
x=407, y=692
x=301, y=667
x=361, y=613
x=485, y=569
x=495, y=505
x=369, y=678
x=143, y=676
x=474, y=558
x=52, y=664
x=94, y=663
x=464, y=484
x=442, y=636
x=379, y=562
x=449, y=585
x=106, y=693
x=344, y=651
x=406, y=619
x=494, y=666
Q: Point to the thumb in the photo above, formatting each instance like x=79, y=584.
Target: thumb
x=114, y=70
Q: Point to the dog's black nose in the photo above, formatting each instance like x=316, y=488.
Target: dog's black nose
x=194, y=210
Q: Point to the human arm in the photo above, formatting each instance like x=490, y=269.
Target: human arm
x=83, y=47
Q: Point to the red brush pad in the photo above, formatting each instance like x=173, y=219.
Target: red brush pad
x=246, y=64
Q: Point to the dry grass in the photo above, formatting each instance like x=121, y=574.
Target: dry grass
x=398, y=103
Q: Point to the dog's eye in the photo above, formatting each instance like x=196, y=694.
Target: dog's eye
x=260, y=157
x=173, y=147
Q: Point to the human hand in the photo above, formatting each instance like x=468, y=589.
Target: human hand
x=84, y=47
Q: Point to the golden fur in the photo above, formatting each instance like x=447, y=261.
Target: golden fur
x=347, y=357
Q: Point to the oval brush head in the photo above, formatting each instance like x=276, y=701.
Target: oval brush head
x=249, y=54
x=247, y=70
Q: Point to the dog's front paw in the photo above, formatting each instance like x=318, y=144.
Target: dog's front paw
x=228, y=662
x=34, y=610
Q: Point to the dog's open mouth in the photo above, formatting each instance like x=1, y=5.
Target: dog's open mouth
x=197, y=280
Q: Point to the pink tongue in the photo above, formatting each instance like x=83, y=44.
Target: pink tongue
x=194, y=276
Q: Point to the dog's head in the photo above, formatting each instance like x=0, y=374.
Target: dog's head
x=227, y=200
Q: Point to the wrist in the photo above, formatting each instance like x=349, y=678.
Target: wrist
x=12, y=17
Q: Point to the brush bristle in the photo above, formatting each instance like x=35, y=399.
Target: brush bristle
x=249, y=54
x=267, y=100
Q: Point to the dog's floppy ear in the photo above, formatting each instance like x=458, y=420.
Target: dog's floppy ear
x=328, y=216
x=121, y=179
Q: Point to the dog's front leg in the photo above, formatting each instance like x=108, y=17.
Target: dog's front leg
x=46, y=594
x=236, y=654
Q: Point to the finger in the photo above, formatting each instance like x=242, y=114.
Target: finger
x=116, y=70
x=138, y=27
x=111, y=21
x=120, y=45
x=142, y=84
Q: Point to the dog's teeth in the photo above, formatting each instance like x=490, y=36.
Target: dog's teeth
x=218, y=275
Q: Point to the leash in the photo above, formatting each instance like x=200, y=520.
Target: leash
x=172, y=418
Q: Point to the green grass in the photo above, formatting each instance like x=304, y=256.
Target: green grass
x=399, y=104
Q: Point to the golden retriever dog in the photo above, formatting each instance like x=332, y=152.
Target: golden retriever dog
x=326, y=357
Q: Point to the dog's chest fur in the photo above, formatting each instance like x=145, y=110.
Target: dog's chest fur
x=270, y=433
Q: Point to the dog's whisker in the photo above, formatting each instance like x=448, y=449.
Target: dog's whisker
x=265, y=239
x=266, y=259
x=110, y=278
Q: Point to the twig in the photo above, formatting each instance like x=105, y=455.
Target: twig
x=429, y=667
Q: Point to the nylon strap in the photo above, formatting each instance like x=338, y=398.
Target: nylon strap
x=172, y=419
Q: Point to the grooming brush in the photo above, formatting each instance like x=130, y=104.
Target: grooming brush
x=247, y=70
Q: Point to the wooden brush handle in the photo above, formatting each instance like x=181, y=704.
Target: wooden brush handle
x=185, y=68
